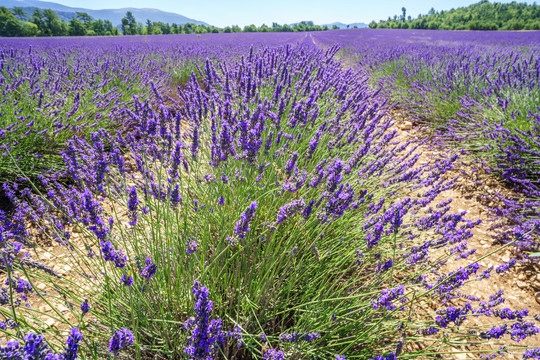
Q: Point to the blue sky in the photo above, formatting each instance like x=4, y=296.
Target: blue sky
x=244, y=12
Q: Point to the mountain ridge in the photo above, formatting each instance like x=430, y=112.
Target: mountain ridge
x=113, y=15
x=341, y=25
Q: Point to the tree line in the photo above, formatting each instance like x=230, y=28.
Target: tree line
x=16, y=22
x=480, y=16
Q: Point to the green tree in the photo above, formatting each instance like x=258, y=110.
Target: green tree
x=480, y=16
x=129, y=24
x=9, y=24
x=189, y=28
x=200, y=29
x=49, y=24
x=164, y=28
x=149, y=27
x=84, y=17
x=76, y=28
x=250, y=28
x=37, y=19
x=19, y=13
x=286, y=28
x=108, y=26
x=97, y=27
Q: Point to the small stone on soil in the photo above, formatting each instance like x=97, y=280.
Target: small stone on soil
x=407, y=125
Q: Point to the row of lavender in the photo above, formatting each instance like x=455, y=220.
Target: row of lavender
x=52, y=89
x=480, y=91
x=265, y=210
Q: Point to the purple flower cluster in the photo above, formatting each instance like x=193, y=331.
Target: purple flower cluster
x=85, y=307
x=532, y=354
x=387, y=298
x=477, y=90
x=109, y=253
x=149, y=270
x=452, y=314
x=20, y=286
x=242, y=225
x=120, y=340
x=36, y=348
x=133, y=203
x=274, y=354
x=206, y=335
x=290, y=209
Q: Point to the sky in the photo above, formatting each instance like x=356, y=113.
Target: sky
x=245, y=12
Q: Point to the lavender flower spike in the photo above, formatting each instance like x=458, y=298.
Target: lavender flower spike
x=242, y=225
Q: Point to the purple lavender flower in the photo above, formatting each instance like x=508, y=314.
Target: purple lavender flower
x=387, y=298
x=206, y=335
x=274, y=354
x=383, y=266
x=452, y=314
x=296, y=337
x=236, y=333
x=20, y=286
x=85, y=307
x=195, y=142
x=176, y=198
x=121, y=339
x=495, y=332
x=291, y=163
x=35, y=347
x=521, y=330
x=72, y=344
x=505, y=267
x=313, y=143
x=242, y=225
x=12, y=350
x=390, y=356
x=133, y=203
x=149, y=270
x=191, y=247
x=109, y=253
x=290, y=209
x=126, y=280
x=532, y=354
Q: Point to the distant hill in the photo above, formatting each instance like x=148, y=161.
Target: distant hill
x=480, y=16
x=113, y=15
x=350, y=26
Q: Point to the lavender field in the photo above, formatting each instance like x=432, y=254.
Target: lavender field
x=347, y=194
